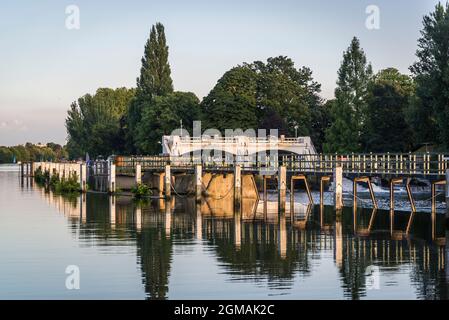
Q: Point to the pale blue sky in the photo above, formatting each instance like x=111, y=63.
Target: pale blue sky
x=44, y=66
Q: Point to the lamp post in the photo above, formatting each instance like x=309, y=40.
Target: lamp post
x=296, y=131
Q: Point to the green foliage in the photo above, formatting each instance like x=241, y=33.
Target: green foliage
x=155, y=80
x=348, y=113
x=162, y=116
x=41, y=178
x=429, y=112
x=386, y=128
x=271, y=95
x=94, y=123
x=32, y=152
x=62, y=186
x=231, y=104
x=141, y=191
x=67, y=186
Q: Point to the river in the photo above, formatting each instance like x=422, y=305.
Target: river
x=157, y=250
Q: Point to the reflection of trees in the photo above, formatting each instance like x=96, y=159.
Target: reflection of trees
x=258, y=254
x=154, y=248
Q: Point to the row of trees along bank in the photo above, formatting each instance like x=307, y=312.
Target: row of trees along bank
x=379, y=112
x=33, y=152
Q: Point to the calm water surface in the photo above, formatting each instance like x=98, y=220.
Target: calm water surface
x=126, y=250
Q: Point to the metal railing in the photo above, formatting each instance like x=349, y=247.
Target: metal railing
x=406, y=164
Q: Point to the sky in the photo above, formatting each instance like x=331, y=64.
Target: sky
x=45, y=66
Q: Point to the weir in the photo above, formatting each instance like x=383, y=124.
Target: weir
x=238, y=180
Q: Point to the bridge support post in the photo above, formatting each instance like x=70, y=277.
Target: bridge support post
x=338, y=183
x=322, y=181
x=167, y=181
x=237, y=188
x=282, y=188
x=138, y=174
x=31, y=169
x=83, y=177
x=112, y=184
x=198, y=182
x=447, y=198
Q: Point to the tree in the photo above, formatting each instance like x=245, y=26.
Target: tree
x=287, y=91
x=163, y=117
x=429, y=114
x=349, y=110
x=231, y=104
x=155, y=80
x=94, y=122
x=267, y=95
x=388, y=99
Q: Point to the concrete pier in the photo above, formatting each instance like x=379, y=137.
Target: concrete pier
x=198, y=182
x=237, y=188
x=112, y=179
x=167, y=181
x=447, y=197
x=83, y=177
x=138, y=174
x=338, y=183
x=282, y=188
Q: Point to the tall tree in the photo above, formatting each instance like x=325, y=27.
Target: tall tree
x=431, y=71
x=349, y=110
x=154, y=80
x=386, y=128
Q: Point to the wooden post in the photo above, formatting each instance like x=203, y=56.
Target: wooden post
x=198, y=182
x=138, y=174
x=237, y=188
x=112, y=183
x=338, y=183
x=167, y=181
x=282, y=188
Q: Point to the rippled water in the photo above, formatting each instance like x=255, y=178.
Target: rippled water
x=178, y=250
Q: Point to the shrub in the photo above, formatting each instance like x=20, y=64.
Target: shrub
x=141, y=191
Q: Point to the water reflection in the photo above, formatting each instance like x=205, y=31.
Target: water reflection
x=260, y=247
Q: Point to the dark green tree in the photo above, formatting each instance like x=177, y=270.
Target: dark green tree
x=429, y=114
x=348, y=113
x=267, y=95
x=231, y=104
x=94, y=123
x=154, y=80
x=287, y=91
x=163, y=117
x=386, y=128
